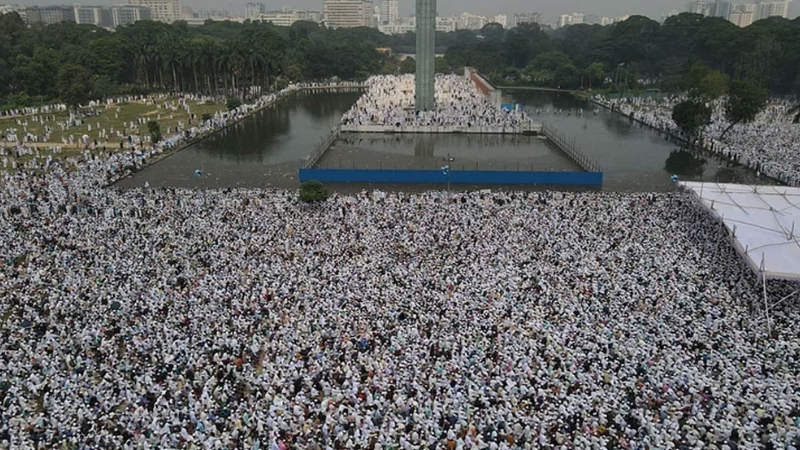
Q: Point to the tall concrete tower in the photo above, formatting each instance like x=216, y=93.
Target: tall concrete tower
x=426, y=48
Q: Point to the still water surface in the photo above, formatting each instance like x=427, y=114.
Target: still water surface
x=634, y=157
x=265, y=150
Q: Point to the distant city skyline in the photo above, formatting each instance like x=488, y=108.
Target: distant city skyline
x=551, y=10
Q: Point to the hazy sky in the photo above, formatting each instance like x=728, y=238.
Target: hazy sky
x=550, y=8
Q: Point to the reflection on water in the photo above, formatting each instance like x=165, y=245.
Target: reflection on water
x=424, y=146
x=265, y=150
x=262, y=151
x=685, y=164
x=247, y=142
x=633, y=156
x=460, y=151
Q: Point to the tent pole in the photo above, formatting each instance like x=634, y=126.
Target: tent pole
x=766, y=298
x=766, y=303
x=782, y=301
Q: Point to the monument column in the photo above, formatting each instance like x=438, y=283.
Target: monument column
x=426, y=54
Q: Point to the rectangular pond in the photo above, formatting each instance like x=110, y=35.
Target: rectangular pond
x=489, y=152
x=263, y=150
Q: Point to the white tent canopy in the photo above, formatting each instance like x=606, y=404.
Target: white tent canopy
x=764, y=222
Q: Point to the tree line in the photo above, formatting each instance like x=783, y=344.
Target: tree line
x=636, y=53
x=75, y=63
x=78, y=62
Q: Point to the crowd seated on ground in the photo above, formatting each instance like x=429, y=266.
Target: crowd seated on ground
x=389, y=101
x=181, y=319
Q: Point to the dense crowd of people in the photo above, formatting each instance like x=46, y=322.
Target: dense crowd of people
x=458, y=103
x=770, y=144
x=242, y=319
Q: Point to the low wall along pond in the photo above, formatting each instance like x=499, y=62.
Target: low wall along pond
x=594, y=179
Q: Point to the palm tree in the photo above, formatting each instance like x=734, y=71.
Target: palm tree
x=232, y=64
x=206, y=62
x=172, y=58
x=192, y=56
x=216, y=54
x=222, y=64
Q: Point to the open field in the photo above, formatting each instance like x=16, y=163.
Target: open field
x=117, y=118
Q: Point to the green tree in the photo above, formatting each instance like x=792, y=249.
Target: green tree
x=695, y=76
x=595, y=75
x=714, y=85
x=635, y=40
x=567, y=77
x=583, y=43
x=409, y=65
x=692, y=116
x=313, y=192
x=678, y=36
x=549, y=61
x=103, y=87
x=745, y=101
x=294, y=73
x=74, y=85
x=523, y=43
x=233, y=103
x=155, y=131
x=493, y=31
x=245, y=59
x=441, y=66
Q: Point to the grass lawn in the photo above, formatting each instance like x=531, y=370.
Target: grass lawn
x=108, y=119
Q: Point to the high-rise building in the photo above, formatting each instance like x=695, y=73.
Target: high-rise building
x=591, y=19
x=19, y=9
x=424, y=95
x=348, y=13
x=161, y=10
x=721, y=9
x=211, y=14
x=127, y=14
x=49, y=14
x=533, y=17
x=312, y=15
x=287, y=17
x=468, y=21
x=502, y=19
x=564, y=20
x=716, y=8
x=279, y=18
x=577, y=18
x=764, y=10
x=738, y=13
x=389, y=12
x=408, y=25
x=447, y=24
x=253, y=10
x=401, y=26
x=521, y=18
x=741, y=18
x=697, y=7
x=94, y=15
